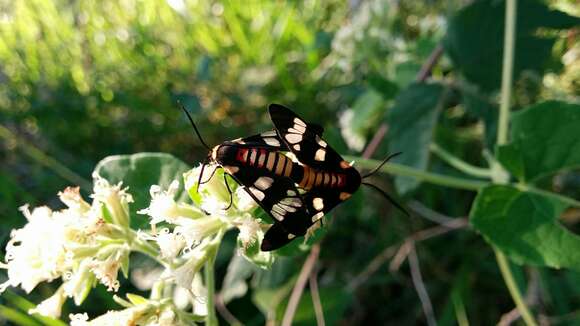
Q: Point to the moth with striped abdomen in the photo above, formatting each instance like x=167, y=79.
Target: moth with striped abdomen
x=295, y=193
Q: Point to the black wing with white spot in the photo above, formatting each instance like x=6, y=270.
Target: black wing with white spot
x=268, y=140
x=278, y=196
x=304, y=140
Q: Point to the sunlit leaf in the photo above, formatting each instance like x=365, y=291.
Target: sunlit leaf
x=140, y=171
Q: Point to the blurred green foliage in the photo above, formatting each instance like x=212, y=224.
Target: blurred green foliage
x=81, y=80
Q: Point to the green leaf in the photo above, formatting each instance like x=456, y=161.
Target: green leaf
x=544, y=139
x=367, y=109
x=524, y=226
x=235, y=285
x=480, y=107
x=412, y=121
x=474, y=39
x=140, y=171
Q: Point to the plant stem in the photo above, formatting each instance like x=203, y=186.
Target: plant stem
x=458, y=163
x=498, y=175
x=439, y=179
x=209, y=270
x=211, y=318
x=508, y=278
x=507, y=71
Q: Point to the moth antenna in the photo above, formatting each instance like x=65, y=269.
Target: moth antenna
x=193, y=124
x=381, y=165
x=391, y=200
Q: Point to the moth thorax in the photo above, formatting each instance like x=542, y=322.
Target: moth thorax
x=353, y=180
x=224, y=154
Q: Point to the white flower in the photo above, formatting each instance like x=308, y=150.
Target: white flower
x=197, y=257
x=78, y=283
x=163, y=206
x=78, y=319
x=249, y=231
x=194, y=231
x=170, y=243
x=115, y=198
x=107, y=268
x=36, y=252
x=71, y=197
x=352, y=138
x=52, y=306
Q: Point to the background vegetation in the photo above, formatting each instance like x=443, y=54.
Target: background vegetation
x=81, y=80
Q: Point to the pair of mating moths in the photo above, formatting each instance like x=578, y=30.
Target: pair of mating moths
x=295, y=194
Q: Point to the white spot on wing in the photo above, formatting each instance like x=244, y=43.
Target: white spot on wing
x=257, y=193
x=299, y=122
x=320, y=142
x=263, y=183
x=291, y=192
x=296, y=147
x=318, y=203
x=320, y=154
x=293, y=138
x=300, y=128
x=317, y=217
x=277, y=215
x=291, y=236
x=272, y=141
x=270, y=133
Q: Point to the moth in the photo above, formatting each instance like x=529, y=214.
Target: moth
x=295, y=193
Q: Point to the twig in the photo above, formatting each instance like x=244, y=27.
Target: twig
x=221, y=307
x=532, y=298
x=430, y=63
x=388, y=252
x=420, y=287
x=313, y=282
x=375, y=142
x=299, y=286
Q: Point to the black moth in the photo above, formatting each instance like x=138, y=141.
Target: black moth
x=296, y=194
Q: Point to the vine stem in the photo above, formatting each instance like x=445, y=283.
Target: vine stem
x=439, y=179
x=498, y=176
x=458, y=163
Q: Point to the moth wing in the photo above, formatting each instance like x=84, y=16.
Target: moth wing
x=304, y=140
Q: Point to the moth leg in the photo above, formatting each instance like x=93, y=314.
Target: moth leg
x=229, y=191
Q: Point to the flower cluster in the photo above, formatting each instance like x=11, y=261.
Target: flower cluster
x=89, y=243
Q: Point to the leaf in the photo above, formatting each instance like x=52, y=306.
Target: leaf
x=544, y=139
x=474, y=39
x=524, y=226
x=366, y=111
x=140, y=171
x=411, y=122
x=235, y=285
x=481, y=108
